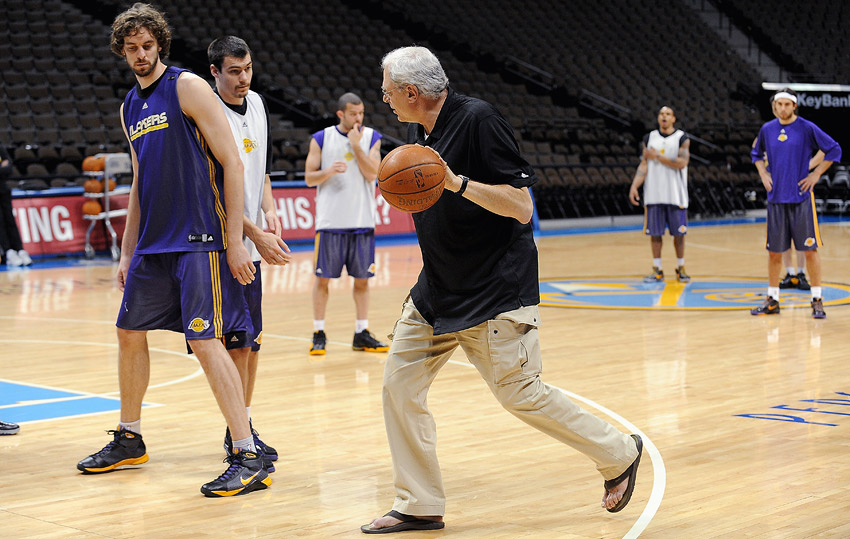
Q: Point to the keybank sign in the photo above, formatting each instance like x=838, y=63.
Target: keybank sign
x=824, y=100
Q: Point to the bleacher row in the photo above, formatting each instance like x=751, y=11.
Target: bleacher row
x=62, y=87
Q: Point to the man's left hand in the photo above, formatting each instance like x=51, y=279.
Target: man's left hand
x=807, y=183
x=354, y=134
x=240, y=263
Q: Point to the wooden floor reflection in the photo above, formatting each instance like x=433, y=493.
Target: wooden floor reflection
x=684, y=379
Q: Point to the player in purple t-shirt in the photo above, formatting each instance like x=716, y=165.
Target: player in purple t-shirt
x=781, y=154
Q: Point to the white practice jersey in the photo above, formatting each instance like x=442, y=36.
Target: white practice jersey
x=251, y=133
x=665, y=185
x=347, y=200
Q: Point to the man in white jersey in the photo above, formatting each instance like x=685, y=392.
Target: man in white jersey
x=663, y=172
x=231, y=63
x=343, y=165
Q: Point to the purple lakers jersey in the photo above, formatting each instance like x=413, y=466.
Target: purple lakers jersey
x=180, y=183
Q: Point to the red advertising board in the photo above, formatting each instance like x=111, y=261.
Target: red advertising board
x=55, y=225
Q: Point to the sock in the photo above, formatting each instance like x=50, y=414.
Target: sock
x=656, y=262
x=773, y=291
x=134, y=426
x=790, y=270
x=245, y=444
x=318, y=325
x=816, y=292
x=360, y=325
x=680, y=262
x=248, y=409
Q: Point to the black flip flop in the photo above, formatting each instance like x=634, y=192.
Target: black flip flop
x=631, y=474
x=408, y=522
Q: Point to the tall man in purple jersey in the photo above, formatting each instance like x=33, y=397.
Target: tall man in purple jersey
x=788, y=143
x=173, y=270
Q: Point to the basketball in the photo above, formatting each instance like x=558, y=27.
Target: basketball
x=92, y=207
x=94, y=164
x=411, y=178
x=93, y=185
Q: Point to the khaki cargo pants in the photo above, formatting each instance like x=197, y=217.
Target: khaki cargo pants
x=506, y=352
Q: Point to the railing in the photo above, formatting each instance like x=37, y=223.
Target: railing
x=606, y=107
x=530, y=73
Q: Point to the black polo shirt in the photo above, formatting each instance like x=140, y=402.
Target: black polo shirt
x=476, y=264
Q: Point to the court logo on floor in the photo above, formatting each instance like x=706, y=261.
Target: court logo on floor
x=717, y=293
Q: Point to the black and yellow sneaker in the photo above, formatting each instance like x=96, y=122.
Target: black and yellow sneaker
x=9, y=428
x=318, y=346
x=245, y=473
x=655, y=277
x=366, y=342
x=770, y=306
x=681, y=276
x=802, y=282
x=817, y=308
x=267, y=452
x=789, y=281
x=126, y=449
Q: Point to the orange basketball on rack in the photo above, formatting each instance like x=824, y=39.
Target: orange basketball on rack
x=411, y=178
x=93, y=185
x=94, y=164
x=112, y=184
x=91, y=207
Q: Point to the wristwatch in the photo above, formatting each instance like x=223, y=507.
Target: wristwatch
x=462, y=185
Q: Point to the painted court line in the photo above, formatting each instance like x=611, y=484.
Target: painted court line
x=81, y=395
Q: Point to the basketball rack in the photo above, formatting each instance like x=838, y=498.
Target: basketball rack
x=114, y=163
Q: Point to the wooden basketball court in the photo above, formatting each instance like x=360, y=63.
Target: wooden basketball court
x=684, y=379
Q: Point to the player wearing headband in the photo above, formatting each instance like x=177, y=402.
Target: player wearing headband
x=781, y=154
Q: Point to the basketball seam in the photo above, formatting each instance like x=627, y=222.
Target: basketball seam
x=408, y=168
x=410, y=192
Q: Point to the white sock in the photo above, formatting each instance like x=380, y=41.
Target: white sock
x=656, y=262
x=318, y=325
x=773, y=291
x=680, y=262
x=816, y=292
x=360, y=325
x=791, y=270
x=248, y=409
x=245, y=444
x=134, y=426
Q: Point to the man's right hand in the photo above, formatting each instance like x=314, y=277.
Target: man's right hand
x=634, y=197
x=338, y=167
x=121, y=276
x=273, y=249
x=767, y=180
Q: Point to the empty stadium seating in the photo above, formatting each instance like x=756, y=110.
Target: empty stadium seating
x=580, y=82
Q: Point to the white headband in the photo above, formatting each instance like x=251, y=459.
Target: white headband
x=785, y=95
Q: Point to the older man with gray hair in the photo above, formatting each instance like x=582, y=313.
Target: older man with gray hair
x=478, y=289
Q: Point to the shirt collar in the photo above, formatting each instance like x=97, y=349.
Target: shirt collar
x=445, y=112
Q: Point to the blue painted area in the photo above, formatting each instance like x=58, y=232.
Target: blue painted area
x=66, y=260
x=699, y=294
x=21, y=403
x=63, y=261
x=838, y=411
x=11, y=393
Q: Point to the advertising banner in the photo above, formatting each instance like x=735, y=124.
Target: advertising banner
x=51, y=225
